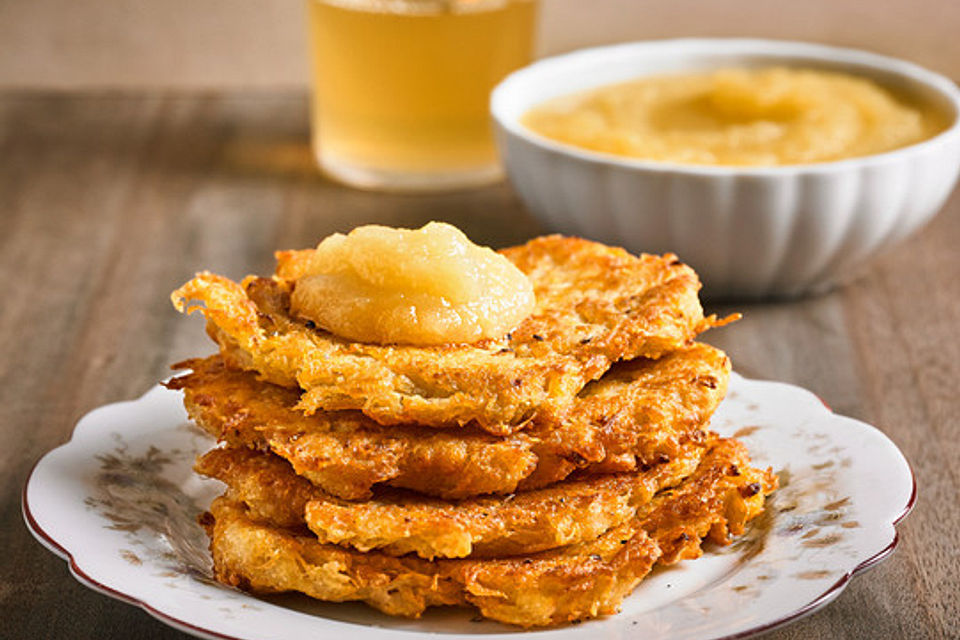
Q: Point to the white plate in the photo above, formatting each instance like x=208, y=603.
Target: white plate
x=119, y=503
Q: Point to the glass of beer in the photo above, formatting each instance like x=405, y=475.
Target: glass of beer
x=401, y=88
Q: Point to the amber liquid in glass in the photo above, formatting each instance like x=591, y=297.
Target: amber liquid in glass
x=401, y=88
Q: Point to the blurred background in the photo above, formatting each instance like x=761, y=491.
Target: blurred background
x=241, y=44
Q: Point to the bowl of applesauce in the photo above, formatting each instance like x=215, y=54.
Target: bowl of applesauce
x=776, y=169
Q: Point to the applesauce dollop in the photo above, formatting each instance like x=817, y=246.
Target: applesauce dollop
x=427, y=286
x=741, y=117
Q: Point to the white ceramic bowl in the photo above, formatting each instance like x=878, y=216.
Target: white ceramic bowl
x=749, y=232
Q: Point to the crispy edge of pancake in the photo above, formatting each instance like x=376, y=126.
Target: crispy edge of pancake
x=552, y=587
x=638, y=414
x=398, y=522
x=649, y=412
x=346, y=453
x=595, y=305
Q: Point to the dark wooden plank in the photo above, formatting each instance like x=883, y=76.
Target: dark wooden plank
x=109, y=201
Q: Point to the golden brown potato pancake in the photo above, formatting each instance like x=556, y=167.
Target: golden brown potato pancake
x=399, y=522
x=344, y=452
x=552, y=587
x=595, y=305
x=640, y=413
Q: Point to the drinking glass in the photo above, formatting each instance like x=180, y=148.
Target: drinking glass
x=401, y=88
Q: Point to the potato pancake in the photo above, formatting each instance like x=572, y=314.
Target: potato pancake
x=639, y=414
x=595, y=305
x=398, y=522
x=575, y=582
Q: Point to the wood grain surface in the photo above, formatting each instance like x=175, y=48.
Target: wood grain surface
x=249, y=44
x=109, y=201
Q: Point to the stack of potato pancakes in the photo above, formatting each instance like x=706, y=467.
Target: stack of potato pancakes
x=537, y=477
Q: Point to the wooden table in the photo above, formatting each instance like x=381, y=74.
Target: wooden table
x=108, y=202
